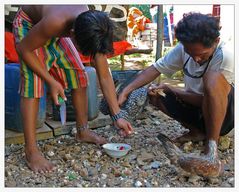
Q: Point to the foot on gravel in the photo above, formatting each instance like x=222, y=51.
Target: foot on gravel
x=37, y=163
x=89, y=136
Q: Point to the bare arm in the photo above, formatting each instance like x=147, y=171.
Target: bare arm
x=108, y=89
x=187, y=97
x=145, y=77
x=106, y=82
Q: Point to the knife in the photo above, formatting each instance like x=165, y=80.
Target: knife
x=62, y=110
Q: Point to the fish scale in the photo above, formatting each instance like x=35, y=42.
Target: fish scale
x=132, y=107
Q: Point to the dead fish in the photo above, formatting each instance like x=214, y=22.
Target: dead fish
x=132, y=107
x=204, y=165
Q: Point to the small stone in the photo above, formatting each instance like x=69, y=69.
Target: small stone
x=138, y=121
x=155, y=165
x=73, y=131
x=103, y=176
x=224, y=143
x=50, y=153
x=11, y=183
x=131, y=157
x=146, y=167
x=48, y=147
x=79, y=185
x=146, y=156
x=65, y=182
x=187, y=147
x=99, y=153
x=92, y=172
x=225, y=184
x=147, y=184
x=91, y=152
x=86, y=163
x=166, y=185
x=143, y=174
x=127, y=183
x=105, y=169
x=126, y=164
x=231, y=180
x=107, y=126
x=154, y=183
x=76, y=167
x=194, y=179
x=213, y=180
x=116, y=172
x=227, y=167
x=113, y=182
x=140, y=161
x=67, y=157
x=8, y=173
x=84, y=172
x=127, y=172
x=157, y=123
x=138, y=184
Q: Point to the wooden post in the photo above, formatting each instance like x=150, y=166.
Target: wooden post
x=122, y=62
x=160, y=30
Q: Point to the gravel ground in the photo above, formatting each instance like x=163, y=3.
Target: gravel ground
x=146, y=165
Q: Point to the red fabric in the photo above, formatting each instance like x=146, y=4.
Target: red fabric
x=119, y=48
x=10, y=51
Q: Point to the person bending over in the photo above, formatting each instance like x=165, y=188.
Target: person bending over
x=48, y=38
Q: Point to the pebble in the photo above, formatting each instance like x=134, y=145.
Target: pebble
x=226, y=184
x=213, y=180
x=103, y=176
x=50, y=153
x=84, y=172
x=231, y=180
x=224, y=143
x=166, y=185
x=194, y=179
x=68, y=157
x=138, y=184
x=187, y=147
x=155, y=165
x=146, y=165
x=92, y=171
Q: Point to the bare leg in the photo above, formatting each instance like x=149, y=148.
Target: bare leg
x=34, y=158
x=214, y=106
x=216, y=90
x=80, y=102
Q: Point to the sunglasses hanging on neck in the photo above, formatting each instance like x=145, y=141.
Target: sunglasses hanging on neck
x=186, y=72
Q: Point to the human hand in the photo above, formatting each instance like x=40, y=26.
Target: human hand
x=125, y=127
x=158, y=89
x=56, y=90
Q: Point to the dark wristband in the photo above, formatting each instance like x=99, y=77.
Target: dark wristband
x=116, y=116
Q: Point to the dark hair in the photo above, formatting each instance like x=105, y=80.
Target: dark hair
x=94, y=33
x=198, y=28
